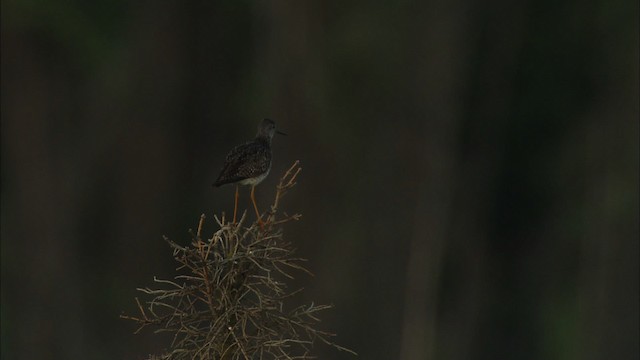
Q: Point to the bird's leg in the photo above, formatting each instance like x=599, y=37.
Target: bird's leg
x=255, y=206
x=235, y=207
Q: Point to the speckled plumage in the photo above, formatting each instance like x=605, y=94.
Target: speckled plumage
x=249, y=163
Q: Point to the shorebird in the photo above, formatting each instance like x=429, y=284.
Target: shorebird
x=249, y=163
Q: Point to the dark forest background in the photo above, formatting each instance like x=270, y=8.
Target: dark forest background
x=470, y=182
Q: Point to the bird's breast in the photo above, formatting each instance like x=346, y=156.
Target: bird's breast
x=255, y=180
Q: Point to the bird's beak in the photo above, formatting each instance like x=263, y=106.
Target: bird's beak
x=280, y=132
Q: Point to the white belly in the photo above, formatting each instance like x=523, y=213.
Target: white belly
x=256, y=180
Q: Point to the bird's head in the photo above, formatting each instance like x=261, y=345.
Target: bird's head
x=267, y=128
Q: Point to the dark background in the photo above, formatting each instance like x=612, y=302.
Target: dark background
x=470, y=182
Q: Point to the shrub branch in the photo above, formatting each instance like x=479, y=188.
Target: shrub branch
x=229, y=298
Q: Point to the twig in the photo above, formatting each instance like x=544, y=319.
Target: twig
x=229, y=298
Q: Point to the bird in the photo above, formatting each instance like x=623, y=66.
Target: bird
x=249, y=163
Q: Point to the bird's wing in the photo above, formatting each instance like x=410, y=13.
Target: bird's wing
x=245, y=161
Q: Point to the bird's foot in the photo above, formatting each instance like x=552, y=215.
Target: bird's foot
x=261, y=223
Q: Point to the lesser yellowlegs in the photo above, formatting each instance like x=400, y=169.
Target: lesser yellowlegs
x=249, y=163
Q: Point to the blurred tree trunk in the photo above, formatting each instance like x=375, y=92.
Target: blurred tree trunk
x=74, y=145
x=609, y=281
x=439, y=70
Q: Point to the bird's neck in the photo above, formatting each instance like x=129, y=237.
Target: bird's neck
x=264, y=139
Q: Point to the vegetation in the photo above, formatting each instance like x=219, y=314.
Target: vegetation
x=229, y=298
